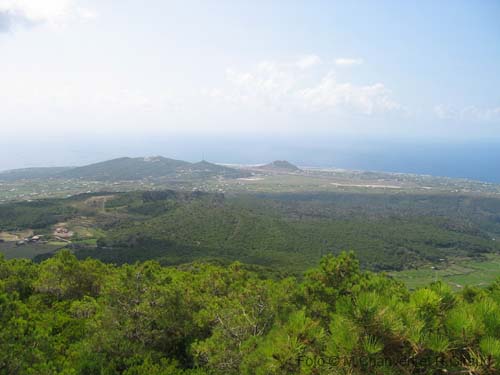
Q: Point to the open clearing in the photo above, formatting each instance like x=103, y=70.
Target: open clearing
x=15, y=236
x=457, y=275
x=30, y=250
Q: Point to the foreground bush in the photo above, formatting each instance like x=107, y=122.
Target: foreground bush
x=84, y=317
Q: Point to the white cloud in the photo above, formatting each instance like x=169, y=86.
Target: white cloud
x=308, y=61
x=329, y=94
x=33, y=12
x=469, y=113
x=51, y=97
x=289, y=87
x=348, y=62
x=86, y=14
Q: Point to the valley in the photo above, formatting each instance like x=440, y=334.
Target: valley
x=278, y=217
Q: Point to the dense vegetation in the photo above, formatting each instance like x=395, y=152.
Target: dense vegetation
x=286, y=232
x=86, y=317
x=35, y=215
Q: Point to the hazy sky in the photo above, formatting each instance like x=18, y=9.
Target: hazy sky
x=427, y=70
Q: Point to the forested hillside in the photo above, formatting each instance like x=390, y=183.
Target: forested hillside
x=286, y=232
x=65, y=316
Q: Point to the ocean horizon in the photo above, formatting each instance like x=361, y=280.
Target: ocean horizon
x=478, y=160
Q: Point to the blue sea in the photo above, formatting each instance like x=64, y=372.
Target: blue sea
x=478, y=160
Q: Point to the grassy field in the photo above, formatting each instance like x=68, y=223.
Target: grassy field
x=10, y=250
x=457, y=274
x=15, y=236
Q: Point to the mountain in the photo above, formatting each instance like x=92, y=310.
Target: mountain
x=32, y=173
x=128, y=169
x=124, y=169
x=280, y=166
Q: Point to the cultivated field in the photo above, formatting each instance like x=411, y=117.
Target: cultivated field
x=456, y=274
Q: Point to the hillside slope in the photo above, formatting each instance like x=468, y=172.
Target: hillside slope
x=266, y=234
x=286, y=232
x=124, y=169
x=280, y=166
x=127, y=169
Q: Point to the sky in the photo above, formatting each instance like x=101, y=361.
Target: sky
x=82, y=80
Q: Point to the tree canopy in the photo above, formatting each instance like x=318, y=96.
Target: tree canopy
x=74, y=316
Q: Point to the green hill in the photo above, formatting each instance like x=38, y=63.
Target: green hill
x=280, y=166
x=128, y=169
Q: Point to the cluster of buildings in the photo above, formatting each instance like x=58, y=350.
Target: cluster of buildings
x=32, y=239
